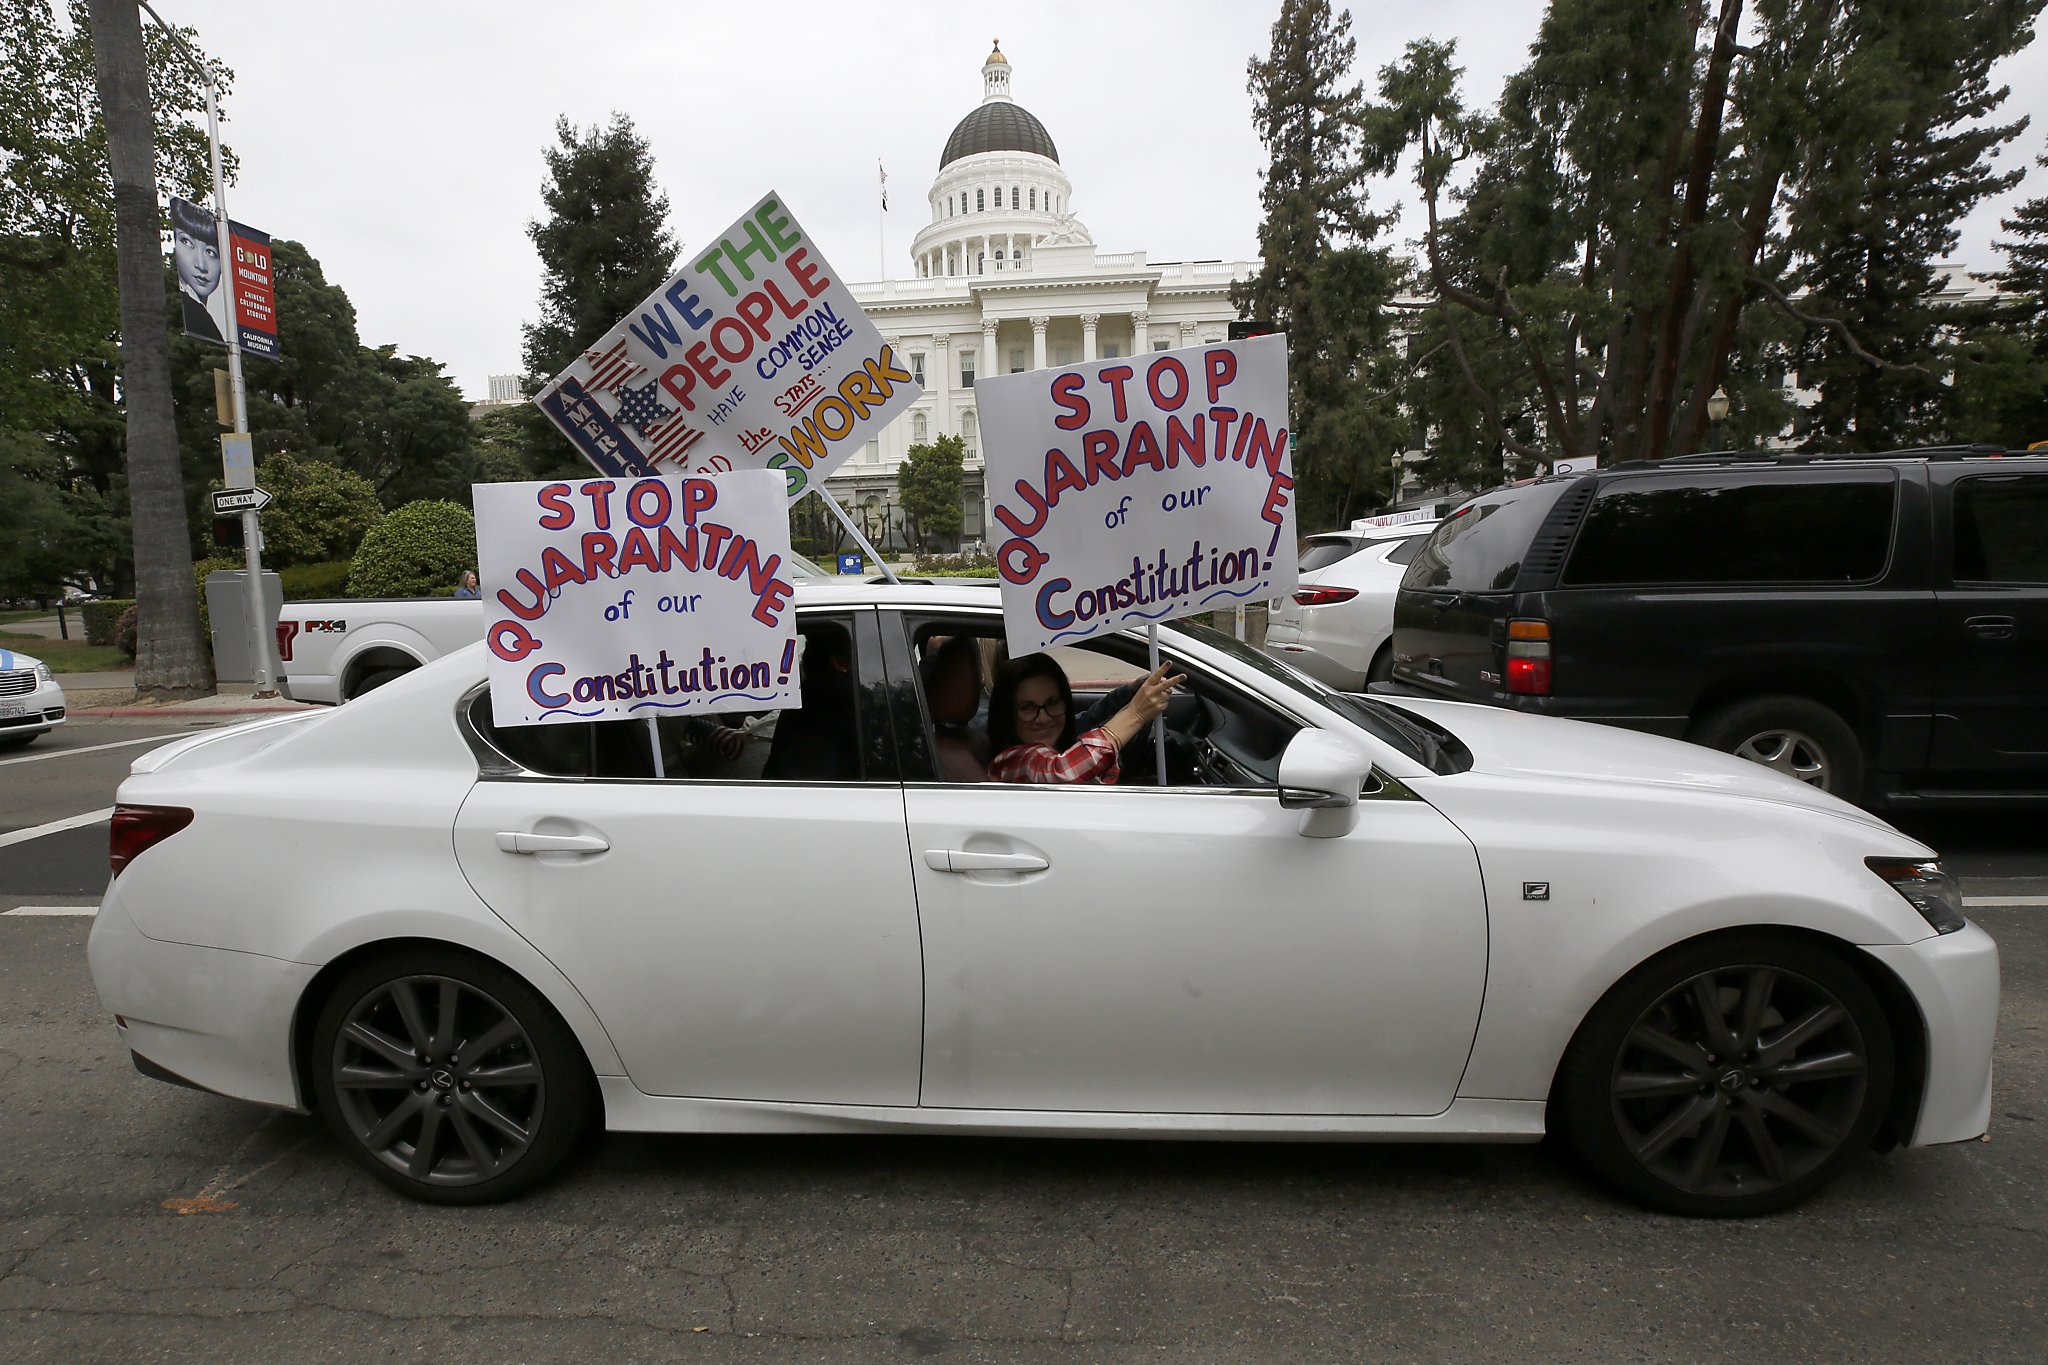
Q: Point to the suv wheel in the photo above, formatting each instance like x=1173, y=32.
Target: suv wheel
x=1791, y=735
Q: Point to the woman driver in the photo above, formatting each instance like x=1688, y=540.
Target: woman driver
x=1031, y=724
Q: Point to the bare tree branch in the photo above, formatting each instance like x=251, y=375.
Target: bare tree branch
x=1837, y=326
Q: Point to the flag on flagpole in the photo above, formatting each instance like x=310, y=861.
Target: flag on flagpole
x=885, y=185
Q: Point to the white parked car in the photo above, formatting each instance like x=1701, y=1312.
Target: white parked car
x=1345, y=919
x=31, y=700
x=1338, y=624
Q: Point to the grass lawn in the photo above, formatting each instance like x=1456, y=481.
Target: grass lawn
x=69, y=656
x=9, y=617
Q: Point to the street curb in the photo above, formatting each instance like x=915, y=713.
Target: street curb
x=175, y=710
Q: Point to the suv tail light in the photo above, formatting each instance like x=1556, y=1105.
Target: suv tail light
x=1529, y=658
x=137, y=828
x=1323, y=597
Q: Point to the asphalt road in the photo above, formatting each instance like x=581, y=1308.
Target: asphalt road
x=142, y=1222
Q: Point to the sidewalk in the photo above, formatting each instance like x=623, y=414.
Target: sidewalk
x=113, y=694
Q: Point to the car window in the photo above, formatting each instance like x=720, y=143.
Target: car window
x=1218, y=735
x=1405, y=552
x=1479, y=547
x=2001, y=529
x=1732, y=529
x=837, y=735
x=1323, y=551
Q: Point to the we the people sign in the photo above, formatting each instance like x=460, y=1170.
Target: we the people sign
x=754, y=356
x=1132, y=490
x=658, y=596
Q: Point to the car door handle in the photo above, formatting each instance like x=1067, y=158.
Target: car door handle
x=1991, y=627
x=960, y=860
x=514, y=841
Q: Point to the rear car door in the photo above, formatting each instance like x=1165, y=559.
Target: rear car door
x=743, y=926
x=1992, y=637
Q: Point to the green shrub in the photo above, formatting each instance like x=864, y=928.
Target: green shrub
x=418, y=550
x=321, y=512
x=102, y=619
x=964, y=565
x=311, y=582
x=124, y=633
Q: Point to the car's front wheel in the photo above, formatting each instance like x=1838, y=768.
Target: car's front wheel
x=1728, y=1078
x=448, y=1078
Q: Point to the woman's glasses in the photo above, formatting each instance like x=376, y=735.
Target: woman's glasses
x=1031, y=710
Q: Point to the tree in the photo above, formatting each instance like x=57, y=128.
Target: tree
x=1650, y=176
x=171, y=657
x=321, y=512
x=1320, y=280
x=604, y=246
x=928, y=486
x=59, y=292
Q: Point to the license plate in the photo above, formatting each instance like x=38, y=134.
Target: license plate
x=9, y=710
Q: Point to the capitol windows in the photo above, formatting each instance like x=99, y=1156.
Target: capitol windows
x=1034, y=199
x=967, y=369
x=1013, y=196
x=1063, y=355
x=917, y=427
x=969, y=432
x=979, y=205
x=917, y=367
x=1016, y=360
x=1110, y=350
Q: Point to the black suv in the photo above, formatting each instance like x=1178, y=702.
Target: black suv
x=1874, y=624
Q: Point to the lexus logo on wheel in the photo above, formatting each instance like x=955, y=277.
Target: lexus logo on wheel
x=443, y=1079
x=1730, y=1080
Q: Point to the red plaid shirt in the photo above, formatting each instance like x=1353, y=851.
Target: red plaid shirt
x=1092, y=759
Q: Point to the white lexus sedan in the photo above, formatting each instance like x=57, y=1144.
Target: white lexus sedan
x=1338, y=919
x=1338, y=623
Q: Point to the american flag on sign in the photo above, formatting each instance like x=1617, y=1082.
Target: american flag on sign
x=610, y=368
x=668, y=440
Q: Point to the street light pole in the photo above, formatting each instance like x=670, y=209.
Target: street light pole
x=252, y=555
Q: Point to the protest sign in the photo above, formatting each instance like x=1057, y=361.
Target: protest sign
x=651, y=597
x=754, y=356
x=1128, y=491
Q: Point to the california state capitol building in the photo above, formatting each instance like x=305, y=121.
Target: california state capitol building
x=1007, y=278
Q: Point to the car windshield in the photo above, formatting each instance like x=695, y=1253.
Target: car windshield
x=1421, y=741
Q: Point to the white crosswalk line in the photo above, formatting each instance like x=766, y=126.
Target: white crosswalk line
x=52, y=910
x=89, y=749
x=2006, y=902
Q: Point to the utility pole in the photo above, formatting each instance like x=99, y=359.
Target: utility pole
x=259, y=643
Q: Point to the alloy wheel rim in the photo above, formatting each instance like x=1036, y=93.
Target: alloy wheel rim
x=1789, y=752
x=438, y=1081
x=1739, y=1081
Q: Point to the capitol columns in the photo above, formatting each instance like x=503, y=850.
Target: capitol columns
x=942, y=388
x=988, y=347
x=1039, y=322
x=1140, y=342
x=1088, y=321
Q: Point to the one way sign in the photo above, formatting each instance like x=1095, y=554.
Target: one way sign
x=228, y=501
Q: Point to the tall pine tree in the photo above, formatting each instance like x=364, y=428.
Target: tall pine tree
x=1321, y=280
x=604, y=246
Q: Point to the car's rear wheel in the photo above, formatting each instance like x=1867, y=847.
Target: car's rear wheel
x=1728, y=1078
x=1791, y=735
x=373, y=680
x=448, y=1078
x=1382, y=668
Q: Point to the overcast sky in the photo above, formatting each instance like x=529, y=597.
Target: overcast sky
x=401, y=142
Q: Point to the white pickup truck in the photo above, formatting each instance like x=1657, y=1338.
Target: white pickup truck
x=335, y=650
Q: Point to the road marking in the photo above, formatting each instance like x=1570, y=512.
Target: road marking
x=2006, y=902
x=90, y=749
x=22, y=836
x=52, y=910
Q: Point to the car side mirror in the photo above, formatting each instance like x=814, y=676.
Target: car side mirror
x=1320, y=776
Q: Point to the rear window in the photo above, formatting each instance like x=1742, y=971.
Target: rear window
x=1479, y=547
x=1324, y=551
x=1728, y=528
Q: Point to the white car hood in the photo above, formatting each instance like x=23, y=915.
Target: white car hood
x=1515, y=744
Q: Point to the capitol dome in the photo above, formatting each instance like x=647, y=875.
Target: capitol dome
x=1000, y=193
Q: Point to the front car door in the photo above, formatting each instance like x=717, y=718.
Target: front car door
x=743, y=926
x=1183, y=949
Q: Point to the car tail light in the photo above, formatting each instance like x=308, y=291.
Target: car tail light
x=137, y=828
x=1529, y=658
x=1323, y=597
